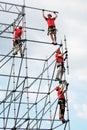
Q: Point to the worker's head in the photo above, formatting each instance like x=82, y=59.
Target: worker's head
x=20, y=27
x=49, y=15
x=58, y=50
x=57, y=88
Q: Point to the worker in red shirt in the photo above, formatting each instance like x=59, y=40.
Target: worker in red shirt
x=51, y=26
x=17, y=40
x=60, y=64
x=61, y=101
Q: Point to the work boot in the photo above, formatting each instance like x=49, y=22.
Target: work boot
x=55, y=43
x=15, y=53
x=63, y=120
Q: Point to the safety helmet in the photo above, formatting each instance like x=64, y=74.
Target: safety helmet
x=49, y=15
x=58, y=50
x=57, y=88
x=20, y=27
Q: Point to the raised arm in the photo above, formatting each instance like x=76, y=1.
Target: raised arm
x=43, y=14
x=55, y=15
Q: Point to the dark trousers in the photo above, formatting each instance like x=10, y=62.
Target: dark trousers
x=61, y=103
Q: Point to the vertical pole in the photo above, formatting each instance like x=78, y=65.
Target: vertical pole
x=66, y=55
x=49, y=96
x=3, y=116
x=67, y=111
x=67, y=66
x=14, y=92
x=14, y=81
x=26, y=63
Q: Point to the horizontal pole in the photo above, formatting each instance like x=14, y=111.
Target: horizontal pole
x=9, y=11
x=46, y=119
x=2, y=55
x=24, y=91
x=4, y=75
x=23, y=40
x=29, y=7
x=5, y=24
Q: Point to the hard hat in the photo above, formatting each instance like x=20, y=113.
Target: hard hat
x=58, y=50
x=20, y=27
x=49, y=15
x=57, y=88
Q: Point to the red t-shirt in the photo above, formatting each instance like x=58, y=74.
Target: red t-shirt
x=59, y=92
x=50, y=21
x=58, y=58
x=18, y=33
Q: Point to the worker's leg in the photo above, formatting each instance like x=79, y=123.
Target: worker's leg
x=59, y=74
x=52, y=38
x=15, y=47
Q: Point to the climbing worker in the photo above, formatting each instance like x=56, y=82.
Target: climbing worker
x=61, y=102
x=51, y=26
x=17, y=40
x=60, y=64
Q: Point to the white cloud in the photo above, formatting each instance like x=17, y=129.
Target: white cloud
x=81, y=74
x=72, y=95
x=81, y=110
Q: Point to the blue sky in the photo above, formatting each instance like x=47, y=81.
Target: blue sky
x=72, y=22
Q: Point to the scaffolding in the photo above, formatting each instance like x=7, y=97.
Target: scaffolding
x=27, y=84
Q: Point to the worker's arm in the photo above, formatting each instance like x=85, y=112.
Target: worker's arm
x=61, y=54
x=43, y=14
x=62, y=88
x=55, y=15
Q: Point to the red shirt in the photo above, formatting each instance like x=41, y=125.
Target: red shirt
x=58, y=58
x=18, y=33
x=59, y=92
x=50, y=21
